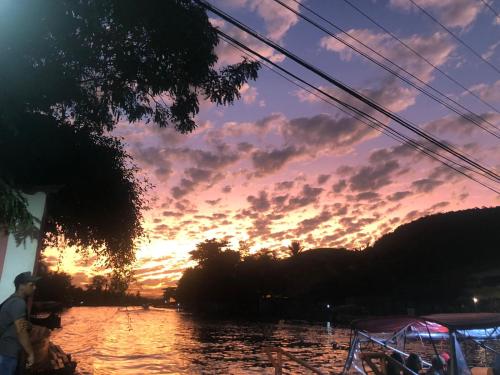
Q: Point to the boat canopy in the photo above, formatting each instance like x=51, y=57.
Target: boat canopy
x=437, y=323
x=465, y=321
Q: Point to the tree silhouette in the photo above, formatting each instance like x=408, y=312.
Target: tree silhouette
x=14, y=215
x=97, y=202
x=119, y=283
x=457, y=252
x=295, y=248
x=244, y=248
x=99, y=283
x=54, y=286
x=70, y=71
x=210, y=251
x=214, y=276
x=265, y=253
x=91, y=63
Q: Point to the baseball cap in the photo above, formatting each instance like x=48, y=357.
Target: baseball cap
x=25, y=277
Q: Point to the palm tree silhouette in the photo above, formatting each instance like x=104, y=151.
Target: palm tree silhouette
x=295, y=248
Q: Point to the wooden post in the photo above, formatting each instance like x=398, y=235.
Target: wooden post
x=279, y=363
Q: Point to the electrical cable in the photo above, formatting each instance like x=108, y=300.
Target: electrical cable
x=456, y=37
x=493, y=10
x=395, y=73
x=410, y=48
x=347, y=89
x=373, y=122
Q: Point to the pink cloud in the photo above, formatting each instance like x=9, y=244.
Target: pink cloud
x=278, y=20
x=248, y=93
x=461, y=126
x=436, y=48
x=454, y=13
x=490, y=93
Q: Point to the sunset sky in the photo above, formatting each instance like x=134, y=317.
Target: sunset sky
x=281, y=164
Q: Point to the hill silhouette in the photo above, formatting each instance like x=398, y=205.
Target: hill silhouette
x=427, y=265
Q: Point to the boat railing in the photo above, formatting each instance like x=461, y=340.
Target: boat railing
x=282, y=355
x=372, y=359
x=385, y=345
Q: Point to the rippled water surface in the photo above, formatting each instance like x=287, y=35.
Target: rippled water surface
x=107, y=340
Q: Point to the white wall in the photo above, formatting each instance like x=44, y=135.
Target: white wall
x=21, y=258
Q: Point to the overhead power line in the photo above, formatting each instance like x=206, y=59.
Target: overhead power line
x=406, y=124
x=455, y=36
x=493, y=10
x=354, y=112
x=469, y=115
x=416, y=53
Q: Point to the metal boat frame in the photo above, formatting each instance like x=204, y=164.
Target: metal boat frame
x=389, y=332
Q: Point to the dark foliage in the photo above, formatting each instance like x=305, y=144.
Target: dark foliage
x=96, y=201
x=14, y=215
x=431, y=258
x=295, y=248
x=89, y=63
x=70, y=70
x=426, y=265
x=103, y=291
x=216, y=267
x=54, y=286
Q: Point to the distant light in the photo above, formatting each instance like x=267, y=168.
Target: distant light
x=327, y=306
x=475, y=300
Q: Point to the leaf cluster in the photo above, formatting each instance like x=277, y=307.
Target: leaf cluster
x=70, y=71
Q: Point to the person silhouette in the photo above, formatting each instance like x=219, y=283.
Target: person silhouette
x=392, y=367
x=414, y=363
x=14, y=325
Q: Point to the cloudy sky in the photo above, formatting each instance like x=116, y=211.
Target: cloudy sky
x=281, y=164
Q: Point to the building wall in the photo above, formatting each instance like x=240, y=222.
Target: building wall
x=17, y=259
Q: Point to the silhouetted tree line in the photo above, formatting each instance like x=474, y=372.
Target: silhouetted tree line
x=102, y=291
x=426, y=265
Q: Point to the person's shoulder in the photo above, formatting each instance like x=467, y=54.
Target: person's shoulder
x=16, y=303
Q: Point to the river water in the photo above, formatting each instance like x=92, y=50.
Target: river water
x=109, y=340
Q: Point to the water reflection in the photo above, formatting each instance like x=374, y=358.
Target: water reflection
x=105, y=340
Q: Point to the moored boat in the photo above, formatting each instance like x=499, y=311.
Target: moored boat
x=382, y=342
x=440, y=335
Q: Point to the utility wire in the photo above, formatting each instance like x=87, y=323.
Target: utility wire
x=344, y=107
x=455, y=36
x=493, y=10
x=394, y=72
x=233, y=42
x=410, y=48
x=347, y=89
x=358, y=114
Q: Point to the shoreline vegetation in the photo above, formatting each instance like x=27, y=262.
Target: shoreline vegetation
x=57, y=288
x=440, y=263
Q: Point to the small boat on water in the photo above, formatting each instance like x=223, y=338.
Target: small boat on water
x=377, y=342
